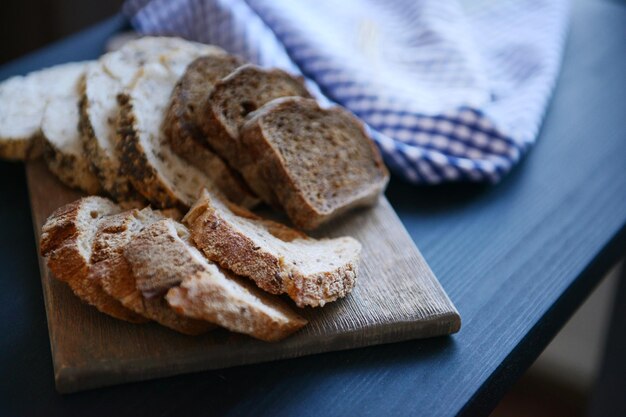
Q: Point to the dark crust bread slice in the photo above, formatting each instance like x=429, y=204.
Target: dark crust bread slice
x=115, y=274
x=318, y=162
x=66, y=242
x=235, y=96
x=278, y=259
x=185, y=135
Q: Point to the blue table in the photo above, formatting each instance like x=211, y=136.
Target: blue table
x=516, y=258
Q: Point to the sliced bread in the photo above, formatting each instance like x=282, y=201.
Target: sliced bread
x=62, y=142
x=67, y=241
x=235, y=96
x=22, y=103
x=317, y=163
x=181, y=125
x=280, y=260
x=160, y=175
x=162, y=258
x=115, y=274
x=107, y=79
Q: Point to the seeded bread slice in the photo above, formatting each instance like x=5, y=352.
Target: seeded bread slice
x=242, y=92
x=107, y=79
x=115, y=274
x=67, y=240
x=22, y=103
x=163, y=256
x=318, y=162
x=160, y=175
x=181, y=126
x=280, y=260
x=62, y=142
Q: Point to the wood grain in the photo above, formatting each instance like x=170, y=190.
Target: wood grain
x=396, y=298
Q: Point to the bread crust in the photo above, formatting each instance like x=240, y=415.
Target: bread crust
x=69, y=258
x=21, y=149
x=71, y=169
x=222, y=243
x=135, y=164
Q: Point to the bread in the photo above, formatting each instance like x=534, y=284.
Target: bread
x=243, y=91
x=62, y=142
x=161, y=176
x=319, y=163
x=107, y=79
x=182, y=130
x=280, y=260
x=66, y=241
x=162, y=255
x=22, y=103
x=115, y=274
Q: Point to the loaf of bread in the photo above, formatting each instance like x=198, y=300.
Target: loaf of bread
x=314, y=163
x=278, y=259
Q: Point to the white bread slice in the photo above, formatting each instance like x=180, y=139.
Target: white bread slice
x=162, y=254
x=160, y=175
x=67, y=240
x=114, y=273
x=279, y=259
x=62, y=142
x=22, y=103
x=107, y=79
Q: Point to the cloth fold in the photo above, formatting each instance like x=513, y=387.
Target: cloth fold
x=449, y=90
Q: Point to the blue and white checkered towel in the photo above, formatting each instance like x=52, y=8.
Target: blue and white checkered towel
x=451, y=90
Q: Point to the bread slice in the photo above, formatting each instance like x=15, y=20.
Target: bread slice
x=107, y=79
x=182, y=130
x=243, y=91
x=66, y=241
x=62, y=147
x=279, y=259
x=160, y=175
x=319, y=163
x=22, y=103
x=162, y=258
x=115, y=274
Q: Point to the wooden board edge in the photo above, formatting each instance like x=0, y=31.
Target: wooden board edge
x=103, y=374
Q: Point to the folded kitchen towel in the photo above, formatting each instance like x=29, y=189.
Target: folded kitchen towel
x=451, y=90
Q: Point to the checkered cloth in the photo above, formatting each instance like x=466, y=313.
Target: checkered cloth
x=450, y=90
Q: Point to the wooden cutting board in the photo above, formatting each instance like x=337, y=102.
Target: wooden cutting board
x=396, y=298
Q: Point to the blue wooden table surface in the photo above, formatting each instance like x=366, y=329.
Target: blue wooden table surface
x=516, y=258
